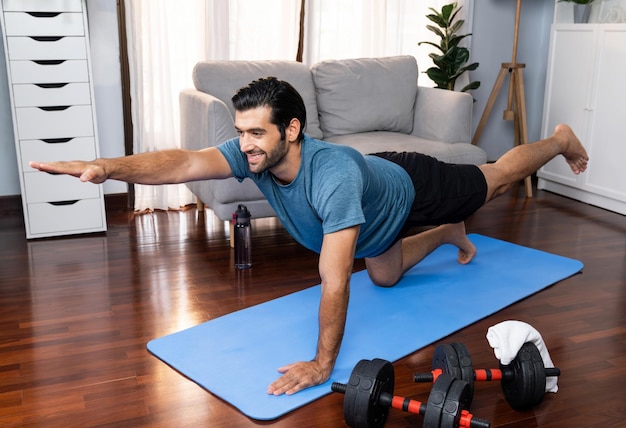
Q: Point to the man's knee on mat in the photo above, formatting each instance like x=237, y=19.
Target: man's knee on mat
x=382, y=277
x=385, y=270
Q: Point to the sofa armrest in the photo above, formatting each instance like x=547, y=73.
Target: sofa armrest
x=443, y=115
x=205, y=121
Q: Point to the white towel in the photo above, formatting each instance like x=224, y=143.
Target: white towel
x=507, y=338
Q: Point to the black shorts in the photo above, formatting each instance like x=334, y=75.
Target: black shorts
x=444, y=193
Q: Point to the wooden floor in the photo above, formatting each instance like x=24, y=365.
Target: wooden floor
x=76, y=314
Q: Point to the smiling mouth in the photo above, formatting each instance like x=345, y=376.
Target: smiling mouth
x=255, y=156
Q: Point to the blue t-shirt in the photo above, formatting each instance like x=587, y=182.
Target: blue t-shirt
x=336, y=188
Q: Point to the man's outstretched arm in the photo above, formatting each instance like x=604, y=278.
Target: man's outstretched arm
x=160, y=167
x=336, y=260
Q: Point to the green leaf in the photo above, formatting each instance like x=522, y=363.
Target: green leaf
x=436, y=30
x=471, y=86
x=451, y=62
x=437, y=20
x=455, y=13
x=432, y=44
x=455, y=40
x=446, y=11
x=456, y=26
x=437, y=76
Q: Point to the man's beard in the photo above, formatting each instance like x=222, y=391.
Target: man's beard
x=270, y=159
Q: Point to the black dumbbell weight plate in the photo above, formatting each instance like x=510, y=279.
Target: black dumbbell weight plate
x=458, y=399
x=361, y=408
x=437, y=399
x=526, y=388
x=446, y=359
x=465, y=366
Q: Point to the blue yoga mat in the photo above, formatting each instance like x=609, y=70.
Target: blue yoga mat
x=236, y=356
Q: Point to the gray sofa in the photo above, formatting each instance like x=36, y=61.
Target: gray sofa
x=371, y=104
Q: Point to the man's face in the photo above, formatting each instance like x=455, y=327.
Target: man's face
x=260, y=139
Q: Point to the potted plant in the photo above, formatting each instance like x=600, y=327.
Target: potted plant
x=451, y=59
x=582, y=10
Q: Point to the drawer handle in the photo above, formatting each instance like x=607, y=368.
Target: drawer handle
x=63, y=203
x=54, y=108
x=44, y=14
x=46, y=38
x=56, y=140
x=49, y=61
x=51, y=85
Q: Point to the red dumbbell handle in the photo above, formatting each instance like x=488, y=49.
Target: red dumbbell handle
x=402, y=403
x=469, y=421
x=482, y=374
x=413, y=406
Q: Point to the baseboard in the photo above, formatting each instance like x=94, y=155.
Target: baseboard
x=113, y=203
x=10, y=206
x=116, y=203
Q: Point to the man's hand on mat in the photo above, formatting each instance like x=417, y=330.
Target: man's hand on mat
x=298, y=376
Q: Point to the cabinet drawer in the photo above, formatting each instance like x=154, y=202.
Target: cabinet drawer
x=35, y=123
x=82, y=216
x=50, y=150
x=43, y=24
x=42, y=5
x=44, y=187
x=51, y=94
x=54, y=47
x=49, y=71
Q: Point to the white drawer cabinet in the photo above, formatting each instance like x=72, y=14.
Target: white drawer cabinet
x=44, y=187
x=49, y=71
x=42, y=48
x=48, y=66
x=43, y=24
x=55, y=149
x=43, y=5
x=46, y=219
x=53, y=122
x=51, y=94
x=586, y=88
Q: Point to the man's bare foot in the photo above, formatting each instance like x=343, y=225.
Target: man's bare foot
x=573, y=151
x=455, y=235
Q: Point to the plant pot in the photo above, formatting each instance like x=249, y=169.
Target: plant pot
x=581, y=13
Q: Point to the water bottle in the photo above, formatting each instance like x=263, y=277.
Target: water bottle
x=243, y=241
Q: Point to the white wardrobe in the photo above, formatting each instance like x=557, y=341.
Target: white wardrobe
x=586, y=88
x=48, y=64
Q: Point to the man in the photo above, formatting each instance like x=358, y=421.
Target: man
x=335, y=201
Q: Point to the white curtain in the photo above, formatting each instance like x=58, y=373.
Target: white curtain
x=255, y=30
x=372, y=28
x=166, y=38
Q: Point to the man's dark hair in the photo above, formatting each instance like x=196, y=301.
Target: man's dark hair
x=285, y=102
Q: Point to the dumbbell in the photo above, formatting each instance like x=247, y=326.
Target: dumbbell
x=369, y=396
x=523, y=381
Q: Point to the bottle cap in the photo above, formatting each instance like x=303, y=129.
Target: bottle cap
x=243, y=215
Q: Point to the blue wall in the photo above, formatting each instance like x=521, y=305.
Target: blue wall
x=492, y=44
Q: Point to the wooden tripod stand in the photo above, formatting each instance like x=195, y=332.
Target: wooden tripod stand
x=516, y=106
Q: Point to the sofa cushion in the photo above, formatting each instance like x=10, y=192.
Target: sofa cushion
x=369, y=94
x=373, y=142
x=223, y=78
